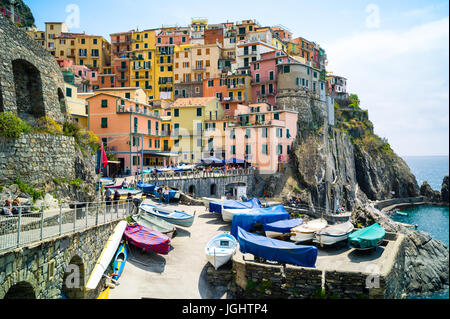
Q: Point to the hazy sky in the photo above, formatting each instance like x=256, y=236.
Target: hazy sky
x=393, y=53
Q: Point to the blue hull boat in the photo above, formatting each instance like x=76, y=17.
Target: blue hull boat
x=277, y=250
x=216, y=206
x=174, y=196
x=119, y=261
x=146, y=188
x=172, y=216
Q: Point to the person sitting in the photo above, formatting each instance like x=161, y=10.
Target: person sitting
x=16, y=206
x=7, y=208
x=125, y=184
x=166, y=195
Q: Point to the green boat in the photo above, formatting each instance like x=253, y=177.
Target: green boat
x=155, y=223
x=367, y=238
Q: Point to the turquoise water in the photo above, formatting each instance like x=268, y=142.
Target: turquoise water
x=431, y=219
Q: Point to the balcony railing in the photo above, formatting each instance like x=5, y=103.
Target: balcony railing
x=121, y=69
x=122, y=79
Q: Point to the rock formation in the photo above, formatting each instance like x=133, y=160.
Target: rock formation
x=426, y=259
x=444, y=190
x=429, y=194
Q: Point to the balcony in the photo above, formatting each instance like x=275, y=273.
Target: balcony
x=236, y=87
x=121, y=41
x=272, y=93
x=121, y=69
x=198, y=68
x=124, y=79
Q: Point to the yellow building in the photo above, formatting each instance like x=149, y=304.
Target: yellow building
x=239, y=88
x=92, y=51
x=52, y=31
x=188, y=118
x=280, y=45
x=38, y=36
x=76, y=107
x=142, y=69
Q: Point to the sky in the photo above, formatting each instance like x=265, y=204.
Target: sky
x=394, y=53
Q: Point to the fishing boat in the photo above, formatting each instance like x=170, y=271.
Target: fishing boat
x=106, y=256
x=104, y=294
x=126, y=191
x=220, y=249
x=106, y=181
x=146, y=188
x=174, y=195
x=114, y=186
x=281, y=228
x=367, y=238
x=277, y=250
x=333, y=234
x=170, y=215
x=119, y=261
x=306, y=231
x=401, y=213
x=147, y=239
x=155, y=223
x=207, y=200
x=217, y=206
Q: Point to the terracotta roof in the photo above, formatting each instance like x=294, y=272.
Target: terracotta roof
x=193, y=101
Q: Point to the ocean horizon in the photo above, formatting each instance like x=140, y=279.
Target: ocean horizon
x=431, y=169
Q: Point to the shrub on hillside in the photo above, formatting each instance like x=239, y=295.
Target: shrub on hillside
x=11, y=126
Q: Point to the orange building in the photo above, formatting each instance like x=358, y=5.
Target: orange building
x=129, y=129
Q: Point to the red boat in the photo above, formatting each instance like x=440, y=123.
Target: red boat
x=114, y=186
x=148, y=239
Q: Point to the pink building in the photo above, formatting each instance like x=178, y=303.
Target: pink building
x=264, y=76
x=263, y=137
x=85, y=73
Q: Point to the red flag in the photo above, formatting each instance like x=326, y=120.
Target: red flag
x=104, y=158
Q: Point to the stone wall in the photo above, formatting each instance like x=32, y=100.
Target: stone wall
x=31, y=83
x=37, y=159
x=42, y=266
x=398, y=201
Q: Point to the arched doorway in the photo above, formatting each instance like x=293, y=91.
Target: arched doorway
x=28, y=85
x=73, y=279
x=62, y=101
x=22, y=290
x=213, y=189
x=192, y=189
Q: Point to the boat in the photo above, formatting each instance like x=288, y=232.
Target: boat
x=104, y=294
x=174, y=195
x=306, y=231
x=106, y=256
x=247, y=220
x=217, y=206
x=146, y=188
x=114, y=186
x=147, y=239
x=207, y=200
x=333, y=234
x=228, y=214
x=220, y=249
x=281, y=228
x=367, y=238
x=277, y=250
x=155, y=223
x=119, y=261
x=126, y=191
x=170, y=215
x=401, y=213
x=106, y=181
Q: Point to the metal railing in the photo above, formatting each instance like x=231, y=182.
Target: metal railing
x=33, y=224
x=148, y=177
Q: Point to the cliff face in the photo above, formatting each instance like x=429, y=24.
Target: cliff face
x=342, y=165
x=22, y=10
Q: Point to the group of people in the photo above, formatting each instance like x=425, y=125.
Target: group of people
x=11, y=209
x=163, y=194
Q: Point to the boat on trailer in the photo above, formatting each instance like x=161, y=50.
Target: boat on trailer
x=306, y=231
x=170, y=215
x=220, y=249
x=334, y=234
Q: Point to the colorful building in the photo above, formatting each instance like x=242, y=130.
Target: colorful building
x=76, y=107
x=121, y=48
x=92, y=51
x=263, y=137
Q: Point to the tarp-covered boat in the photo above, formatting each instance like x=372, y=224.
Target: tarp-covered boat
x=367, y=238
x=282, y=227
x=149, y=240
x=172, y=216
x=277, y=250
x=220, y=249
x=258, y=216
x=333, y=234
x=216, y=206
x=227, y=214
x=173, y=195
x=146, y=188
x=152, y=222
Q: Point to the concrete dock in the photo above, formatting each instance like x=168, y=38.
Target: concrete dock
x=179, y=275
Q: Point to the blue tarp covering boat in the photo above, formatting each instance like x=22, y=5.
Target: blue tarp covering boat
x=277, y=250
x=283, y=226
x=146, y=188
x=173, y=195
x=258, y=216
x=216, y=206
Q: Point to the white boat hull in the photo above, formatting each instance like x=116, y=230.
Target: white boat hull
x=106, y=256
x=306, y=232
x=301, y=237
x=227, y=214
x=218, y=261
x=273, y=234
x=329, y=240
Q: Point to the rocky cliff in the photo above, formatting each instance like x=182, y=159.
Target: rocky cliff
x=342, y=165
x=22, y=10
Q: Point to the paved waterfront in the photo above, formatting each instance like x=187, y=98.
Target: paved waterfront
x=179, y=275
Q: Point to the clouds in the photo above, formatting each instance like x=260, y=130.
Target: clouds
x=402, y=79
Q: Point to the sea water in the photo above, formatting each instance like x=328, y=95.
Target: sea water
x=430, y=219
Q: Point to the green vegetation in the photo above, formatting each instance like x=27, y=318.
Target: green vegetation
x=29, y=189
x=76, y=183
x=260, y=287
x=11, y=126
